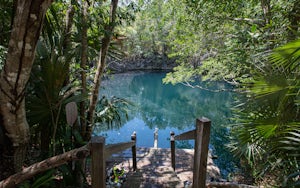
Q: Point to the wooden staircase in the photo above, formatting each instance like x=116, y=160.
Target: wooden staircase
x=154, y=171
x=156, y=167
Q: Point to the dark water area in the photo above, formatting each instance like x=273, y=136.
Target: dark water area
x=169, y=108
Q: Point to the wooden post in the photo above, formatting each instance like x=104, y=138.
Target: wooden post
x=201, y=152
x=98, y=161
x=172, y=140
x=133, y=149
x=155, y=137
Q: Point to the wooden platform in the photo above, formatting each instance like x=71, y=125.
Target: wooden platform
x=155, y=169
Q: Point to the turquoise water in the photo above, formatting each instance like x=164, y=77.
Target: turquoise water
x=169, y=108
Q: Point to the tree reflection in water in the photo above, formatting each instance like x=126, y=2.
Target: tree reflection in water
x=170, y=108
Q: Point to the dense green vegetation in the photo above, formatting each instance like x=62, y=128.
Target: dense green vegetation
x=253, y=45
x=268, y=117
x=237, y=42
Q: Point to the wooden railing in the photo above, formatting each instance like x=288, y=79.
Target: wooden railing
x=201, y=136
x=98, y=151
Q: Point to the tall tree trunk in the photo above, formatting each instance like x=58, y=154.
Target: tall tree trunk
x=84, y=59
x=67, y=33
x=266, y=7
x=101, y=65
x=80, y=165
x=68, y=25
x=29, y=16
x=294, y=18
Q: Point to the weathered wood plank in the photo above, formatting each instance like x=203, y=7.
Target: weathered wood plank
x=115, y=148
x=98, y=161
x=189, y=135
x=201, y=152
x=172, y=140
x=133, y=150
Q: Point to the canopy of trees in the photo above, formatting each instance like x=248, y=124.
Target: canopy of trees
x=237, y=42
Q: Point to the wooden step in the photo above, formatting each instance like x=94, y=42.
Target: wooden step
x=152, y=172
x=154, y=168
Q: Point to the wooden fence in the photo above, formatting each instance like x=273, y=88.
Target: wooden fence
x=201, y=136
x=98, y=151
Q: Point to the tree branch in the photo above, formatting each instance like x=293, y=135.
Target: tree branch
x=259, y=22
x=203, y=88
x=29, y=172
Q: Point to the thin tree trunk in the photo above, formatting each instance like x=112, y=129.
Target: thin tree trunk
x=82, y=108
x=101, y=65
x=29, y=16
x=294, y=18
x=67, y=33
x=84, y=59
x=266, y=7
x=68, y=26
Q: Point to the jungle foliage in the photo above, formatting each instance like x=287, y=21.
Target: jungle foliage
x=250, y=44
x=56, y=79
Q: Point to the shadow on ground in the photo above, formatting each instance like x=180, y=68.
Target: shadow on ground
x=154, y=168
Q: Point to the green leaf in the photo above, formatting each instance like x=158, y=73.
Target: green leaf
x=44, y=179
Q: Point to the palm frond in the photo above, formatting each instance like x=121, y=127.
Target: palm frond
x=268, y=119
x=287, y=56
x=111, y=112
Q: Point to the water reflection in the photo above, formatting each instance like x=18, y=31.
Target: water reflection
x=169, y=108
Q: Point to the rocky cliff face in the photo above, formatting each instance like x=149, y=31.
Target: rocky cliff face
x=141, y=63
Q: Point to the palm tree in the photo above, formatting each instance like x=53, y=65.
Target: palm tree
x=268, y=120
x=47, y=92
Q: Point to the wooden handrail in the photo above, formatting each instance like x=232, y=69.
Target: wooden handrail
x=201, y=136
x=39, y=167
x=115, y=148
x=189, y=135
x=100, y=152
x=96, y=148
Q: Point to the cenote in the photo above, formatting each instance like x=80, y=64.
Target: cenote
x=169, y=108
